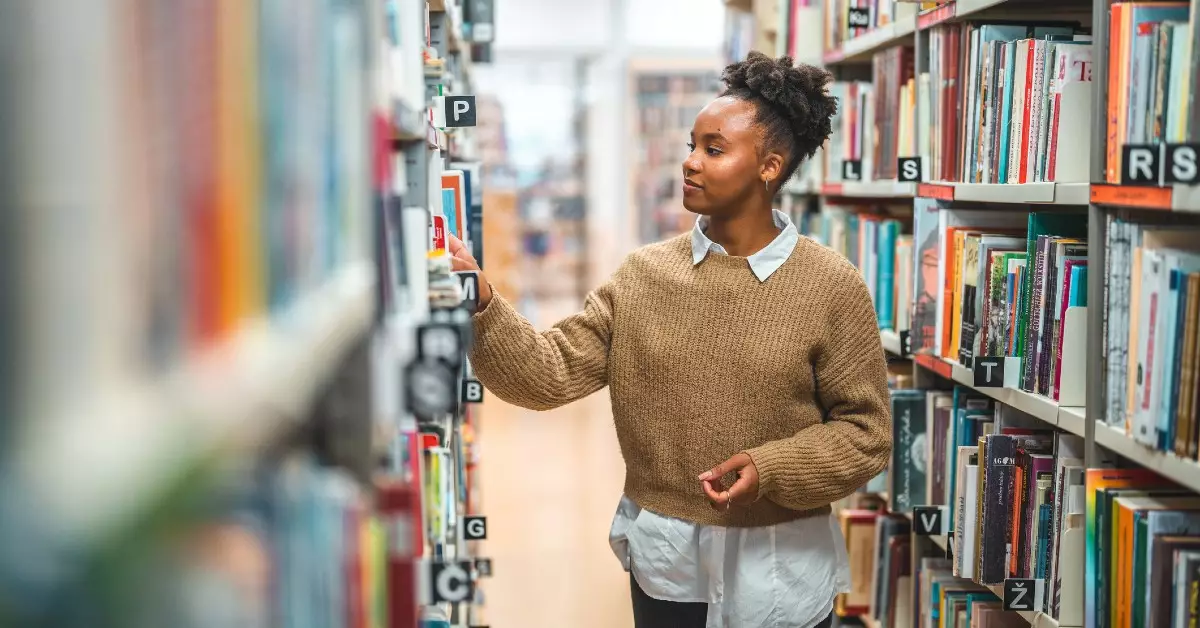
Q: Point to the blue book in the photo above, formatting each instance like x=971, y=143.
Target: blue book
x=885, y=305
x=449, y=205
x=1009, y=64
x=1077, y=297
x=1167, y=443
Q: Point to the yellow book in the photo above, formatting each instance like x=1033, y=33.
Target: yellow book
x=239, y=261
x=960, y=240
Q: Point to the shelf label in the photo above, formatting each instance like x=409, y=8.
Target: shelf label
x=472, y=391
x=852, y=169
x=441, y=342
x=451, y=581
x=1180, y=165
x=460, y=111
x=469, y=279
x=1141, y=164
x=909, y=169
x=929, y=520
x=1024, y=594
x=858, y=17
x=429, y=390
x=474, y=528
x=905, y=343
x=483, y=566
x=988, y=372
x=1160, y=164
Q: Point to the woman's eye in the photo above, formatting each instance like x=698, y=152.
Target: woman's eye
x=691, y=147
x=712, y=151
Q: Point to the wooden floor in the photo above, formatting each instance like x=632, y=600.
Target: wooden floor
x=551, y=482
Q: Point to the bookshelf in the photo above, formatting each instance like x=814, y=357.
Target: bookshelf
x=220, y=304
x=1106, y=437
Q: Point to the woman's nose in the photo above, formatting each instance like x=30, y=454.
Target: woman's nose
x=691, y=165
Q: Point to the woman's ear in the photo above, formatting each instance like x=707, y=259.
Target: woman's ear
x=772, y=167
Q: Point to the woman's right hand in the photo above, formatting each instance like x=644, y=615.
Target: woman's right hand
x=460, y=260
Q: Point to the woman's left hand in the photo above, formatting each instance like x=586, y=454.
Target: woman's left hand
x=743, y=492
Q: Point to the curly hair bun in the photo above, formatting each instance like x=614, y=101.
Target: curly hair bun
x=797, y=93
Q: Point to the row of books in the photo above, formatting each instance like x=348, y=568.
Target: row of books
x=998, y=284
x=1005, y=479
x=1152, y=313
x=1022, y=109
x=1142, y=552
x=258, y=192
x=876, y=121
x=1150, y=101
x=877, y=241
x=878, y=13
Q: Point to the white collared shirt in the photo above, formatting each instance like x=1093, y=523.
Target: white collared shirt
x=781, y=576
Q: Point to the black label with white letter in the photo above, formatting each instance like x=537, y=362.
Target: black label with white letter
x=442, y=342
x=469, y=280
x=905, y=343
x=474, y=528
x=451, y=582
x=1181, y=166
x=909, y=169
x=1023, y=594
x=852, y=169
x=929, y=520
x=1140, y=164
x=858, y=18
x=989, y=372
x=472, y=391
x=460, y=111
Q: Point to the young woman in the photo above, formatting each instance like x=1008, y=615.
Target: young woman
x=748, y=383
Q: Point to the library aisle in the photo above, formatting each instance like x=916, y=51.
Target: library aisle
x=552, y=485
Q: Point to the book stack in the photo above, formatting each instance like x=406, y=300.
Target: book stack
x=877, y=242
x=1024, y=106
x=838, y=31
x=894, y=110
x=853, y=137
x=1013, y=492
x=1149, y=83
x=1142, y=551
x=1153, y=288
x=1003, y=286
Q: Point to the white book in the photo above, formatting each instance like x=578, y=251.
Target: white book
x=970, y=533
x=1141, y=427
x=1037, y=109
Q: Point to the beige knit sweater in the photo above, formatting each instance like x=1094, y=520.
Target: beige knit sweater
x=704, y=361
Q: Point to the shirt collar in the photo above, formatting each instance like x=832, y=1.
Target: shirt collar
x=763, y=263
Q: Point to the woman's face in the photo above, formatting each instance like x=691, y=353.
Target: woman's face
x=724, y=167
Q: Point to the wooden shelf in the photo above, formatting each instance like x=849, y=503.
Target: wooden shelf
x=1168, y=465
x=1066, y=418
x=1021, y=193
x=1177, y=198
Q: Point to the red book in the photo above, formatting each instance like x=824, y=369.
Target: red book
x=198, y=167
x=1023, y=168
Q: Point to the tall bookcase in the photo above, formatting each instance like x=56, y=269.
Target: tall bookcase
x=1083, y=188
x=219, y=217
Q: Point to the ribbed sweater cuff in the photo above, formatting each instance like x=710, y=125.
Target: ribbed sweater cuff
x=771, y=461
x=497, y=313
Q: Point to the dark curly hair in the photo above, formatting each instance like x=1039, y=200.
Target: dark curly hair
x=793, y=107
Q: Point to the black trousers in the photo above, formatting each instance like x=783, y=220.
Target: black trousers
x=649, y=612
